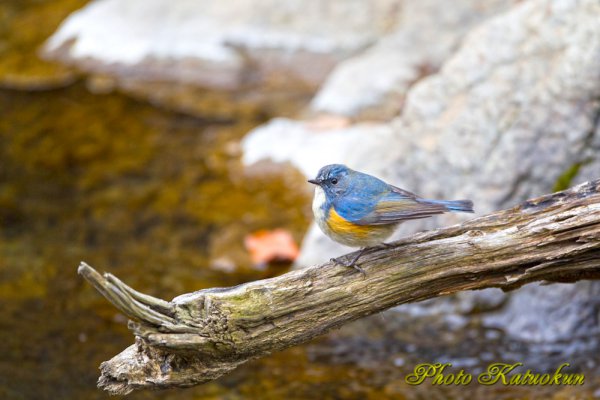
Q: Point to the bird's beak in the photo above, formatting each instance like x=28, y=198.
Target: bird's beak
x=314, y=181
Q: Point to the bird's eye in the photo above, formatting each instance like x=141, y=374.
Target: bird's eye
x=334, y=181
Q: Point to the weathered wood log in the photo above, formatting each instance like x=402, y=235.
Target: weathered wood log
x=200, y=336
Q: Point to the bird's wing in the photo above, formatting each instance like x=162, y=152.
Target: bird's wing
x=404, y=193
x=397, y=206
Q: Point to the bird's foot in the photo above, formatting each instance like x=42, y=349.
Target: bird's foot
x=352, y=263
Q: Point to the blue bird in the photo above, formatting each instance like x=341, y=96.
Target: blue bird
x=360, y=210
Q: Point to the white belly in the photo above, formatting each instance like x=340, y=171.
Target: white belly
x=318, y=203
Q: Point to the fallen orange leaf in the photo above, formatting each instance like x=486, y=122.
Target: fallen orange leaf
x=266, y=246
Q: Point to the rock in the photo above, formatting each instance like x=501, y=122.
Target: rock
x=222, y=45
x=309, y=148
x=372, y=84
x=568, y=306
x=512, y=110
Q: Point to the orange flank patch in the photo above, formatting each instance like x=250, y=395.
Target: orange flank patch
x=340, y=225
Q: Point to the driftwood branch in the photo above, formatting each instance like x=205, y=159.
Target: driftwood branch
x=200, y=336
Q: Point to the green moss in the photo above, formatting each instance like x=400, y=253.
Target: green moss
x=24, y=26
x=564, y=180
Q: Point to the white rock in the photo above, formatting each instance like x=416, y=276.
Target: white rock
x=375, y=82
x=218, y=43
x=308, y=149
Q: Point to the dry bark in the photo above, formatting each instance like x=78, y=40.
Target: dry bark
x=200, y=336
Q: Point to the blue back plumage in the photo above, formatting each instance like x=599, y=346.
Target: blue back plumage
x=353, y=194
x=360, y=210
x=363, y=194
x=366, y=200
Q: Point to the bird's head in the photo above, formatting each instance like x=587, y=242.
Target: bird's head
x=334, y=179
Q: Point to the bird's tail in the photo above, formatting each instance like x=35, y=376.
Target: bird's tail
x=455, y=205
